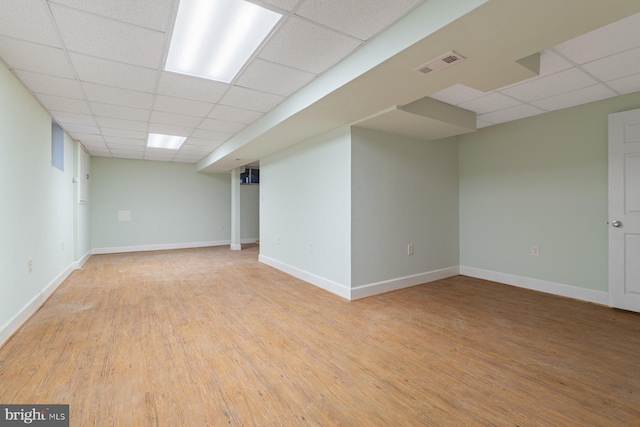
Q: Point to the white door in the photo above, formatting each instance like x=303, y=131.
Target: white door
x=624, y=210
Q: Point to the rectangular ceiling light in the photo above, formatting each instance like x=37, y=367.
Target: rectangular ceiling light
x=169, y=142
x=213, y=39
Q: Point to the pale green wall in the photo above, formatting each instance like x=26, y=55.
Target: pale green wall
x=539, y=181
x=185, y=206
x=404, y=191
x=36, y=211
x=305, y=194
x=250, y=212
x=82, y=213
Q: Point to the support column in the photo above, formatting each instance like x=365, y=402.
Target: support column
x=235, y=208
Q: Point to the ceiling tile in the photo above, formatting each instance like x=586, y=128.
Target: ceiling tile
x=161, y=151
x=69, y=105
x=232, y=114
x=204, y=142
x=562, y=82
x=80, y=129
x=174, y=119
x=117, y=96
x=86, y=137
x=482, y=124
x=94, y=145
x=615, y=66
x=110, y=73
x=120, y=112
x=50, y=85
x=577, y=97
x=358, y=18
x=127, y=155
x=178, y=159
x=608, y=40
x=74, y=118
x=126, y=147
x=202, y=149
x=122, y=133
x=169, y=130
x=627, y=84
x=273, y=78
x=457, y=94
x=221, y=125
x=110, y=122
x=551, y=63
x=29, y=56
x=182, y=106
x=105, y=38
x=287, y=5
x=509, y=114
x=211, y=135
x=125, y=141
x=250, y=99
x=144, y=13
x=490, y=102
x=293, y=43
x=181, y=86
x=27, y=20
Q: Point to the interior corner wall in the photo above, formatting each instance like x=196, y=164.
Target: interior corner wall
x=540, y=181
x=37, y=213
x=171, y=205
x=305, y=211
x=404, y=192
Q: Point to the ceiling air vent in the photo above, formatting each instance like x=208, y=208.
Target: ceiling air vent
x=439, y=63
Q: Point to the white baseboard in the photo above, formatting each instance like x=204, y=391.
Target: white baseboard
x=9, y=328
x=402, y=282
x=321, y=282
x=161, y=247
x=590, y=295
x=364, y=290
x=82, y=261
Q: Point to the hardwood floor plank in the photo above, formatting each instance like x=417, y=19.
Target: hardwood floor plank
x=211, y=337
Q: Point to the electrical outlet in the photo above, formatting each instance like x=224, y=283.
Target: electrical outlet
x=535, y=251
x=410, y=250
x=154, y=230
x=62, y=246
x=221, y=228
x=311, y=247
x=30, y=265
x=278, y=240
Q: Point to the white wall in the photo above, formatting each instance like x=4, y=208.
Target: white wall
x=305, y=194
x=404, y=191
x=170, y=204
x=37, y=212
x=82, y=213
x=249, y=212
x=540, y=181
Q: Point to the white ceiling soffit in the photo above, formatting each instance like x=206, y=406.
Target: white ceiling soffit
x=95, y=66
x=494, y=37
x=426, y=119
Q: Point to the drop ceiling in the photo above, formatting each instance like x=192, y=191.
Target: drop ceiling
x=96, y=67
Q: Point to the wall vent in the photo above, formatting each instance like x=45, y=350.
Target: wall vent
x=439, y=63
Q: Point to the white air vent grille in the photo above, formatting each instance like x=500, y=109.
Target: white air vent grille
x=439, y=63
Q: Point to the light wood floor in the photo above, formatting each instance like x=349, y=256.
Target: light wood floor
x=210, y=337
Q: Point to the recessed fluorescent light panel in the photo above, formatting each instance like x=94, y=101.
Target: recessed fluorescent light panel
x=169, y=142
x=213, y=39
